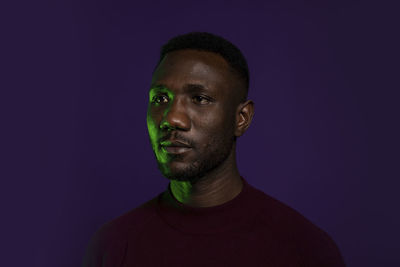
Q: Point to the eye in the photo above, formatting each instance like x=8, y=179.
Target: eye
x=198, y=99
x=159, y=99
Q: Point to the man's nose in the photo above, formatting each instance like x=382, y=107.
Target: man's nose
x=175, y=116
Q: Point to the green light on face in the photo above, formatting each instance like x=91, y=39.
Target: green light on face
x=158, y=97
x=160, y=100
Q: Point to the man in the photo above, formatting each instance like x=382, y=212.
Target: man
x=209, y=215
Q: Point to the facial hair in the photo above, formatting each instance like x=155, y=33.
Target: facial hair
x=211, y=156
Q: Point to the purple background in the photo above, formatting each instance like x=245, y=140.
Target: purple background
x=75, y=151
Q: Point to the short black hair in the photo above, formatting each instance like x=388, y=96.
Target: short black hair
x=205, y=41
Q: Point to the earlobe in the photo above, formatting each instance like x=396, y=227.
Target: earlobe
x=244, y=116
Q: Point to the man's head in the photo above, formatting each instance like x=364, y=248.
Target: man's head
x=197, y=105
x=203, y=41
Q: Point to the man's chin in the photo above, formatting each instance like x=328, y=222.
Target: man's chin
x=177, y=175
x=180, y=174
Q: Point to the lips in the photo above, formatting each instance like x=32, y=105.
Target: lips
x=175, y=146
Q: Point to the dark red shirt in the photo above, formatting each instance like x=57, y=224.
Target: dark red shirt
x=253, y=229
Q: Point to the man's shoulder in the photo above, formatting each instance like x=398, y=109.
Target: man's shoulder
x=273, y=211
x=314, y=244
x=115, y=231
x=108, y=243
x=129, y=221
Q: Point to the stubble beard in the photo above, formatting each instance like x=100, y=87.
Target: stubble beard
x=210, y=159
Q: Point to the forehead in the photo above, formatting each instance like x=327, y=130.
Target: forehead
x=183, y=67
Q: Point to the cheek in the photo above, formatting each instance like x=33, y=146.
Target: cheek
x=215, y=133
x=151, y=127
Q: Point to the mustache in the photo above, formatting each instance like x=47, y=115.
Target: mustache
x=177, y=137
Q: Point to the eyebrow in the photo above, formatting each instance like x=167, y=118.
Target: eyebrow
x=158, y=87
x=194, y=88
x=188, y=88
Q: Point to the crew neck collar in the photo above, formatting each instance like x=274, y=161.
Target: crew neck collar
x=199, y=220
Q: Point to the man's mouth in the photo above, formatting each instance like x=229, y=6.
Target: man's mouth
x=176, y=149
x=175, y=146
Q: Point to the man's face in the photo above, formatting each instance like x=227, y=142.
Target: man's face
x=191, y=113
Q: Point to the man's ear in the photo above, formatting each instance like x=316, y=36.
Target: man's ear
x=244, y=116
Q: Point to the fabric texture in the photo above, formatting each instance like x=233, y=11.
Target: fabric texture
x=253, y=229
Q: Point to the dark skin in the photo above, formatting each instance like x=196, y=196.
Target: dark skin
x=196, y=110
